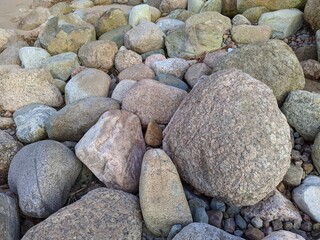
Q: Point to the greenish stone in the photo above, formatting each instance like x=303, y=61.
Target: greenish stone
x=212, y=5
x=253, y=14
x=243, y=5
x=195, y=5
x=116, y=35
x=180, y=14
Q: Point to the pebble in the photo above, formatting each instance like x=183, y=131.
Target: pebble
x=287, y=226
x=218, y=205
x=253, y=234
x=257, y=222
x=215, y=218
x=201, y=215
x=229, y=225
x=240, y=222
x=276, y=225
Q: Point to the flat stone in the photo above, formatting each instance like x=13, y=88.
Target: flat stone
x=153, y=135
x=171, y=80
x=9, y=224
x=246, y=34
x=32, y=57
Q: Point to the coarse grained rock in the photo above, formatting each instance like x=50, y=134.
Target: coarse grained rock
x=122, y=87
x=173, y=66
x=316, y=153
x=311, y=14
x=162, y=199
x=239, y=19
x=9, y=218
x=302, y=110
x=272, y=62
x=283, y=235
x=229, y=139
x=243, y=5
x=10, y=55
x=66, y=33
x=126, y=58
x=250, y=34
x=253, y=14
x=103, y=213
x=212, y=5
x=113, y=149
x=42, y=174
x=136, y=72
x=34, y=19
x=203, y=231
x=32, y=57
x=194, y=73
x=168, y=6
x=169, y=24
x=75, y=119
x=293, y=176
x=20, y=87
x=151, y=100
x=311, y=69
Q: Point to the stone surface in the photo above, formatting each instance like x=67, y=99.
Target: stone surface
x=34, y=19
x=236, y=117
x=42, y=175
x=88, y=83
x=318, y=43
x=253, y=14
x=121, y=89
x=311, y=69
x=316, y=153
x=139, y=12
x=203, y=231
x=20, y=87
x=283, y=235
x=311, y=14
x=126, y=58
x=151, y=100
x=304, y=53
x=9, y=218
x=253, y=234
x=116, y=35
x=98, y=54
x=194, y=73
x=272, y=62
x=212, y=5
x=215, y=218
x=84, y=219
x=10, y=55
x=137, y=72
x=153, y=58
x=6, y=122
x=162, y=199
x=243, y=5
x=75, y=119
x=246, y=34
x=171, y=80
x=212, y=59
x=30, y=121
x=168, y=6
x=32, y=57
x=169, y=24
x=303, y=113
x=180, y=14
x=153, y=135
x=116, y=165
x=174, y=66
x=283, y=23
x=195, y=5
x=293, y=176
x=5, y=36
x=239, y=19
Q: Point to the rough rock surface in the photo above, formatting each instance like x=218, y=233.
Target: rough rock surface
x=168, y=6
x=173, y=66
x=250, y=34
x=243, y=5
x=311, y=13
x=34, y=19
x=283, y=235
x=311, y=69
x=122, y=87
x=126, y=58
x=238, y=140
x=32, y=57
x=119, y=219
x=9, y=218
x=194, y=73
x=137, y=72
x=316, y=153
x=10, y=55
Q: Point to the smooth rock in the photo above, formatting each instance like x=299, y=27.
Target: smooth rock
x=311, y=14
x=174, y=231
x=212, y=5
x=243, y=5
x=180, y=14
x=137, y=72
x=151, y=100
x=217, y=205
x=194, y=73
x=9, y=224
x=34, y=19
x=173, y=66
x=253, y=234
x=201, y=216
x=139, y=12
x=168, y=6
x=10, y=55
x=116, y=165
x=316, y=153
x=215, y=218
x=283, y=235
x=120, y=219
x=169, y=24
x=229, y=225
x=116, y=35
x=171, y=80
x=293, y=176
x=32, y=57
x=239, y=19
x=153, y=3
x=153, y=135
x=195, y=5
x=257, y=222
x=153, y=52
x=240, y=222
x=126, y=58
x=246, y=34
x=121, y=89
x=253, y=14
x=153, y=58
x=42, y=175
x=318, y=43
x=233, y=109
x=311, y=69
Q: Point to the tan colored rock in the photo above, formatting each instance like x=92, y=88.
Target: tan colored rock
x=10, y=55
x=5, y=35
x=153, y=136
x=243, y=5
x=253, y=14
x=250, y=34
x=6, y=122
x=311, y=69
x=162, y=199
x=311, y=13
x=34, y=19
x=168, y=6
x=283, y=235
x=194, y=73
x=137, y=72
x=126, y=58
x=113, y=149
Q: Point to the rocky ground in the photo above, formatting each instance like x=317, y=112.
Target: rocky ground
x=161, y=119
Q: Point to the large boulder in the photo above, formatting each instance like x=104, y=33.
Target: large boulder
x=34, y=19
x=229, y=139
x=243, y=5
x=116, y=165
x=311, y=13
x=101, y=214
x=42, y=175
x=9, y=218
x=272, y=62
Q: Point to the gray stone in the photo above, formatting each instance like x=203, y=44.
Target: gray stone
x=272, y=62
x=139, y=12
x=217, y=205
x=173, y=66
x=246, y=34
x=9, y=218
x=30, y=121
x=168, y=6
x=283, y=235
x=203, y=231
x=34, y=19
x=195, y=5
x=194, y=73
x=169, y=24
x=239, y=19
x=229, y=225
x=172, y=81
x=81, y=4
x=147, y=54
x=116, y=35
x=137, y=72
x=304, y=53
x=5, y=36
x=116, y=165
x=120, y=218
x=240, y=222
x=316, y=153
x=293, y=176
x=153, y=3
x=121, y=89
x=232, y=210
x=302, y=110
x=195, y=203
x=32, y=57
x=75, y=119
x=250, y=117
x=61, y=65
x=212, y=59
x=42, y=175
x=174, y=231
x=212, y=5
x=153, y=136
x=126, y=58
x=10, y=55
x=311, y=14
x=270, y=4
x=318, y=43
x=257, y=222
x=201, y=215
x=215, y=218
x=311, y=69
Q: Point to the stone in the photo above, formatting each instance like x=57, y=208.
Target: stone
x=42, y=175
x=61, y=65
x=174, y=231
x=5, y=37
x=272, y=62
x=162, y=199
x=151, y=100
x=20, y=87
x=253, y=14
x=239, y=19
x=116, y=165
x=180, y=14
x=304, y=53
x=229, y=96
x=66, y=33
x=34, y=19
x=218, y=205
x=168, y=24
x=302, y=111
x=212, y=5
x=121, y=89
x=88, y=83
x=232, y=210
x=316, y=153
x=120, y=218
x=240, y=222
x=215, y=218
x=8, y=148
x=311, y=14
x=32, y=57
x=194, y=73
x=318, y=43
x=201, y=216
x=139, y=12
x=30, y=121
x=72, y=121
x=212, y=59
x=257, y=222
x=306, y=197
x=10, y=55
x=173, y=66
x=60, y=8
x=126, y=58
x=102, y=2
x=245, y=34
x=9, y=224
x=283, y=23
x=311, y=69
x=6, y=122
x=153, y=135
x=243, y=5
x=276, y=225
x=229, y=225
x=98, y=54
x=201, y=33
x=274, y=207
x=195, y=203
x=155, y=14
x=137, y=72
x=171, y=80
x=116, y=35
x=293, y=176
x=110, y=20
x=81, y=4
x=168, y=6
x=153, y=52
x=153, y=58
x=312, y=86
x=203, y=231
x=253, y=234
x=283, y=235
x=195, y=5
x=144, y=37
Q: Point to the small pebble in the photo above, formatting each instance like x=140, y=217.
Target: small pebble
x=257, y=222
x=233, y=210
x=316, y=227
x=215, y=218
x=254, y=234
x=174, y=231
x=299, y=141
x=306, y=226
x=267, y=230
x=217, y=205
x=201, y=215
x=277, y=225
x=229, y=225
x=240, y=222
x=238, y=233
x=298, y=147
x=287, y=226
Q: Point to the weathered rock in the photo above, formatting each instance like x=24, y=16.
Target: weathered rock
x=272, y=62
x=75, y=119
x=243, y=5
x=203, y=231
x=151, y=100
x=126, y=58
x=137, y=72
x=174, y=66
x=293, y=176
x=212, y=5
x=153, y=135
x=169, y=24
x=253, y=14
x=6, y=122
x=88, y=83
x=30, y=121
x=311, y=14
x=61, y=65
x=318, y=43
x=253, y=233
x=81, y=4
x=9, y=224
x=20, y=87
x=116, y=35
x=239, y=19
x=194, y=73
x=120, y=218
x=32, y=57
x=153, y=58
x=60, y=8
x=283, y=235
x=316, y=153
x=311, y=69
x=42, y=174
x=10, y=55
x=239, y=117
x=168, y=6
x=121, y=89
x=5, y=36
x=155, y=13
x=250, y=34
x=312, y=86
x=116, y=165
x=34, y=19
x=171, y=80
x=303, y=113
x=195, y=5
x=66, y=33
x=304, y=53
x=212, y=59
x=161, y=194
x=284, y=22
x=139, y=12
x=180, y=14
x=102, y=2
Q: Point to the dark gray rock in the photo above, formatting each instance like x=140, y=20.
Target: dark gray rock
x=172, y=81
x=9, y=218
x=201, y=215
